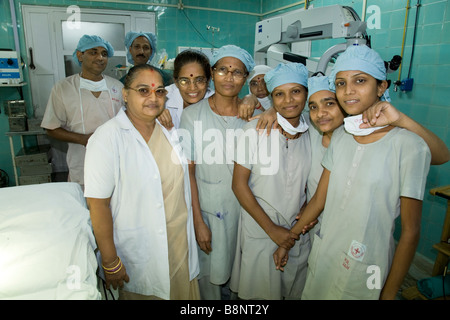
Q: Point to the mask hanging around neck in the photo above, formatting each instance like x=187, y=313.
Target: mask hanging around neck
x=289, y=128
x=94, y=86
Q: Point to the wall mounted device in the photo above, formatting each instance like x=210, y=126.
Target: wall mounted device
x=10, y=68
x=274, y=35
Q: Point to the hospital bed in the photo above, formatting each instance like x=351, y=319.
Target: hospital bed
x=46, y=243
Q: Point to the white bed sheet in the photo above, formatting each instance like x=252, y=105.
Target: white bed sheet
x=46, y=243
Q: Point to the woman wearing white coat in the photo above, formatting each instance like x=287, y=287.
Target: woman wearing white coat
x=140, y=199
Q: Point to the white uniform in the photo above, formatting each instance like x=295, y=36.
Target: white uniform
x=317, y=154
x=363, y=201
x=209, y=140
x=120, y=165
x=281, y=194
x=174, y=103
x=78, y=110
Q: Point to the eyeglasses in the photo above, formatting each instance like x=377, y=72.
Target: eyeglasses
x=198, y=82
x=145, y=92
x=237, y=74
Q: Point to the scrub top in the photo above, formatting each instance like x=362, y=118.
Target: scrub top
x=120, y=165
x=78, y=110
x=174, y=103
x=210, y=139
x=317, y=154
x=279, y=171
x=363, y=201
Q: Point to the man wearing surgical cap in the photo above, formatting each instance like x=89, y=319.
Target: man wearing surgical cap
x=82, y=102
x=141, y=48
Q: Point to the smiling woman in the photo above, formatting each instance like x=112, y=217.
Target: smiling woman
x=140, y=208
x=144, y=96
x=211, y=183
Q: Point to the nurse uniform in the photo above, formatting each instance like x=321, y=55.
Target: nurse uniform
x=209, y=140
x=279, y=187
x=363, y=201
x=77, y=110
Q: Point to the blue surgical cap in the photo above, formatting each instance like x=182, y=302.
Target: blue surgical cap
x=361, y=58
x=286, y=73
x=87, y=42
x=132, y=35
x=235, y=52
x=318, y=83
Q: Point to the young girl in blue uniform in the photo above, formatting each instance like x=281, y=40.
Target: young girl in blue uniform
x=370, y=177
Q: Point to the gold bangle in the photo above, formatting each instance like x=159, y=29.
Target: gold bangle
x=115, y=271
x=112, y=268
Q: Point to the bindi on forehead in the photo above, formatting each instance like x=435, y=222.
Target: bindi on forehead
x=153, y=84
x=192, y=75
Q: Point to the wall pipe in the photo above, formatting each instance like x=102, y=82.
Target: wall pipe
x=403, y=41
x=14, y=24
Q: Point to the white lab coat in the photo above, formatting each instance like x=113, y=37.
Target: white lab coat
x=78, y=110
x=120, y=165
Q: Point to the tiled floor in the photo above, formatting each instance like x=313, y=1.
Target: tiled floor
x=420, y=268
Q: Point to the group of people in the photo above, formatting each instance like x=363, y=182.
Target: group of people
x=195, y=193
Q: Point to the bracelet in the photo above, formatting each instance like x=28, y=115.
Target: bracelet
x=114, y=270
x=112, y=263
x=117, y=267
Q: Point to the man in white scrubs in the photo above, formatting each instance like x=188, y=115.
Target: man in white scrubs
x=82, y=102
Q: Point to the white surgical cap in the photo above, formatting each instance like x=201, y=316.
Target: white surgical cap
x=87, y=42
x=318, y=83
x=286, y=73
x=235, y=52
x=259, y=69
x=132, y=35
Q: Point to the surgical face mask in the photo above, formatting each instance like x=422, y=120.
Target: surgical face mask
x=289, y=128
x=266, y=102
x=351, y=125
x=94, y=86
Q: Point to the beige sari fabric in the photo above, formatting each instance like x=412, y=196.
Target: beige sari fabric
x=172, y=179
x=171, y=173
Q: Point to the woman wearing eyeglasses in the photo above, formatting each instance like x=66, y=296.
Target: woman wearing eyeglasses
x=192, y=73
x=138, y=191
x=209, y=131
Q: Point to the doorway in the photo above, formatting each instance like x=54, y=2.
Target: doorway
x=51, y=36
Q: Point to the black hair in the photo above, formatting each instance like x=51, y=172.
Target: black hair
x=189, y=56
x=132, y=73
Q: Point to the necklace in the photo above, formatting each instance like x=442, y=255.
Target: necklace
x=213, y=99
x=284, y=133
